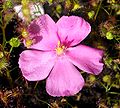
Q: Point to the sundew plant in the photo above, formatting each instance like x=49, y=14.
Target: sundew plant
x=59, y=54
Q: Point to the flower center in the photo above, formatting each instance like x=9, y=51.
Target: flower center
x=60, y=48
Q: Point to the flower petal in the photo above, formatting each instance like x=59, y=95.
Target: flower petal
x=45, y=28
x=86, y=58
x=73, y=28
x=64, y=79
x=36, y=65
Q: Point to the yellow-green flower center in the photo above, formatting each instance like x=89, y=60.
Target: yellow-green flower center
x=60, y=48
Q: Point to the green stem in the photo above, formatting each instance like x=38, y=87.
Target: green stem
x=13, y=69
x=106, y=11
x=11, y=49
x=36, y=85
x=103, y=85
x=1, y=73
x=4, y=37
x=43, y=102
x=69, y=104
x=39, y=100
x=98, y=9
x=114, y=93
x=9, y=77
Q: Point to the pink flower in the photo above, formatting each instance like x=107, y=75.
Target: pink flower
x=55, y=56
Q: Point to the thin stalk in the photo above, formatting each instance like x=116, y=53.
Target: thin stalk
x=11, y=49
x=36, y=85
x=69, y=104
x=39, y=100
x=1, y=73
x=9, y=77
x=114, y=93
x=98, y=9
x=13, y=69
x=4, y=37
x=106, y=11
x=43, y=101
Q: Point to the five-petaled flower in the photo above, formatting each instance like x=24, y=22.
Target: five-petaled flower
x=54, y=56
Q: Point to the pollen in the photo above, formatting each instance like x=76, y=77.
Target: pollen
x=60, y=48
x=28, y=42
x=25, y=33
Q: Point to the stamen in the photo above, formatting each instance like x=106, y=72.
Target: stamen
x=60, y=48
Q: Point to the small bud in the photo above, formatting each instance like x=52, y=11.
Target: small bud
x=76, y=6
x=26, y=10
x=107, y=79
x=115, y=66
x=50, y=1
x=25, y=2
x=118, y=12
x=91, y=14
x=109, y=35
x=92, y=78
x=14, y=42
x=26, y=13
x=68, y=4
x=59, y=8
x=117, y=76
x=116, y=106
x=8, y=4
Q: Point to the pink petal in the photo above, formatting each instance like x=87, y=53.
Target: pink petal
x=86, y=58
x=36, y=65
x=64, y=80
x=73, y=29
x=45, y=28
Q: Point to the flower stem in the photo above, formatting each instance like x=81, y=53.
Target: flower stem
x=98, y=9
x=39, y=100
x=3, y=46
x=114, y=93
x=43, y=102
x=11, y=49
x=9, y=77
x=36, y=85
x=4, y=37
